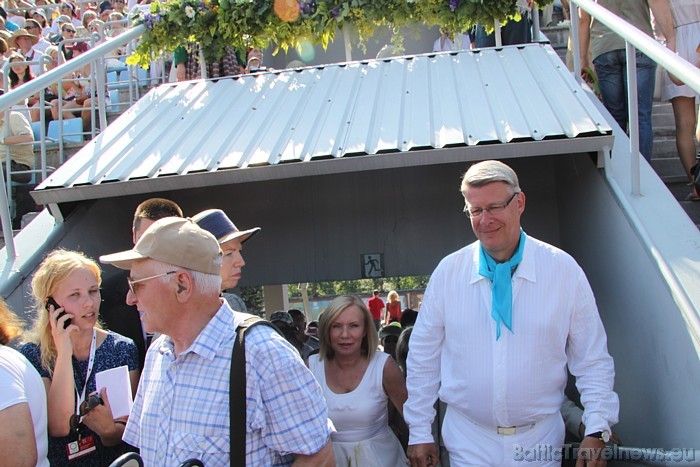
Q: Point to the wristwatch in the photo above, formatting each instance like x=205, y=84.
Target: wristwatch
x=604, y=436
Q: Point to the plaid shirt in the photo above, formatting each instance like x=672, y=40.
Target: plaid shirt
x=181, y=409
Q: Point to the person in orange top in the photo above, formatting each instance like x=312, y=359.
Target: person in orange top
x=393, y=308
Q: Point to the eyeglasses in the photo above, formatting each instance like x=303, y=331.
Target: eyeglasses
x=68, y=30
x=137, y=281
x=31, y=27
x=474, y=213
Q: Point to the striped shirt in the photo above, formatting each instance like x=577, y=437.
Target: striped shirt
x=181, y=410
x=520, y=378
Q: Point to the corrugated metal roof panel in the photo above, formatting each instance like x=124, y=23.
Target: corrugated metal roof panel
x=368, y=108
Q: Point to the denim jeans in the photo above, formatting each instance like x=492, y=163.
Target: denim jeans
x=612, y=79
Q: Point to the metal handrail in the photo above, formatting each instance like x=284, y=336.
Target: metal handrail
x=38, y=84
x=634, y=39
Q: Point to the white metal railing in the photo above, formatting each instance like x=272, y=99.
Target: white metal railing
x=43, y=81
x=634, y=39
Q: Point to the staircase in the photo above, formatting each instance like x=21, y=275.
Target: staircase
x=666, y=162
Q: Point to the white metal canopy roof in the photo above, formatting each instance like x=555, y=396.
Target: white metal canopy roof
x=402, y=111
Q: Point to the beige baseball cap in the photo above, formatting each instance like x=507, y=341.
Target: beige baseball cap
x=173, y=240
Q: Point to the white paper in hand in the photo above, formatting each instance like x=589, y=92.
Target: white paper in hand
x=118, y=385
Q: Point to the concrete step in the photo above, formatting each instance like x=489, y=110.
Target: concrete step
x=662, y=115
x=665, y=148
x=662, y=131
x=680, y=190
x=670, y=170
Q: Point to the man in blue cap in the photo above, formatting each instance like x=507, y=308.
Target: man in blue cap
x=231, y=240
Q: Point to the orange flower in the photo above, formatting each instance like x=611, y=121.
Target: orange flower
x=287, y=10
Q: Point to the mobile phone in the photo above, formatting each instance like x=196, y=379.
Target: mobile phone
x=56, y=306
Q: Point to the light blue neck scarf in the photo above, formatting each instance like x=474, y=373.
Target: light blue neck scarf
x=502, y=288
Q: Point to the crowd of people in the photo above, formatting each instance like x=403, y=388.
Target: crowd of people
x=335, y=391
x=504, y=324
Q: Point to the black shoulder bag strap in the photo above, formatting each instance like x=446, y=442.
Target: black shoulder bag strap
x=237, y=385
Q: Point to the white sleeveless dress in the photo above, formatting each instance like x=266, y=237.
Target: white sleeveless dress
x=363, y=437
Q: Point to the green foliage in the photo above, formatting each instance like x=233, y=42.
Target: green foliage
x=243, y=24
x=361, y=286
x=254, y=299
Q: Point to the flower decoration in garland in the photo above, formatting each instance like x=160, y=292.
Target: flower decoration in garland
x=242, y=24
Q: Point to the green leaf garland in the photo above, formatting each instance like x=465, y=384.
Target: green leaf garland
x=245, y=24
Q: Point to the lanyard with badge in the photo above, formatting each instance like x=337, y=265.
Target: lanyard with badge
x=84, y=445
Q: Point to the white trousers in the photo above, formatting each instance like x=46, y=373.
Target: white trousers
x=470, y=444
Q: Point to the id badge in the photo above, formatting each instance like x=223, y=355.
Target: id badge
x=81, y=448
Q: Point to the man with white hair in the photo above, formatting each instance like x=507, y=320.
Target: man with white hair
x=500, y=322
x=181, y=410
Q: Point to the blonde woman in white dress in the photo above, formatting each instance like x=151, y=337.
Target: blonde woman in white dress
x=358, y=383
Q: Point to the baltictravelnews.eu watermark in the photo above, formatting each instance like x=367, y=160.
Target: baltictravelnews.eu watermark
x=550, y=453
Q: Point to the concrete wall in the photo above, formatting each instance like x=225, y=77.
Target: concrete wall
x=657, y=366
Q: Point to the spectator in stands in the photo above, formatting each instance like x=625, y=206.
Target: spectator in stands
x=216, y=222
x=21, y=160
x=309, y=343
x=106, y=9
x=79, y=105
x=175, y=282
x=609, y=58
x=68, y=9
x=51, y=92
x=358, y=383
x=34, y=28
x=23, y=417
x=376, y=305
x=68, y=32
x=20, y=74
x=117, y=25
x=6, y=23
x=15, y=14
x=285, y=324
x=96, y=26
x=55, y=33
x=119, y=6
x=117, y=315
x=39, y=16
x=84, y=29
x=3, y=51
x=24, y=43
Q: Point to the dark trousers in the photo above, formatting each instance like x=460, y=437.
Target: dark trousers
x=513, y=33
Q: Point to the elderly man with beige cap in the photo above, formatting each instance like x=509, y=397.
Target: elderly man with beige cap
x=181, y=410
x=216, y=222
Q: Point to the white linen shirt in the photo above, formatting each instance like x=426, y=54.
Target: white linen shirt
x=520, y=378
x=181, y=409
